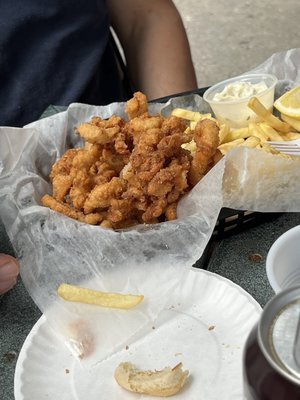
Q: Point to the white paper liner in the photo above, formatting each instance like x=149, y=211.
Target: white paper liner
x=53, y=248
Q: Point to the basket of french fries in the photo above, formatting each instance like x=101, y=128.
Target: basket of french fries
x=90, y=201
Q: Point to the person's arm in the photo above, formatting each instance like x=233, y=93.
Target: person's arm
x=155, y=45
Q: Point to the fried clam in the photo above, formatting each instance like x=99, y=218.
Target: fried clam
x=101, y=196
x=82, y=179
x=206, y=136
x=60, y=174
x=101, y=131
x=136, y=106
x=134, y=171
x=164, y=383
x=62, y=208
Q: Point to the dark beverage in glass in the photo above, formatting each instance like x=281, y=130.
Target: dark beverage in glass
x=271, y=359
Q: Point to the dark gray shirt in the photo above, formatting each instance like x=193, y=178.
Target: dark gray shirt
x=54, y=52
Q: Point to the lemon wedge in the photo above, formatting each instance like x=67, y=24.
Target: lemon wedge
x=289, y=103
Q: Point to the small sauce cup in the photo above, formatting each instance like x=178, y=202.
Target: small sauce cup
x=283, y=261
x=236, y=112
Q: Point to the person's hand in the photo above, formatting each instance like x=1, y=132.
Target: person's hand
x=9, y=270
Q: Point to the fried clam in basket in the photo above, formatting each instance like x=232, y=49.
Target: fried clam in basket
x=131, y=171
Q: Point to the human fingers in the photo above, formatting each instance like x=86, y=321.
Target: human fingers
x=9, y=270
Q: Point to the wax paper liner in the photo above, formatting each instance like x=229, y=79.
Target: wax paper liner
x=53, y=248
x=152, y=260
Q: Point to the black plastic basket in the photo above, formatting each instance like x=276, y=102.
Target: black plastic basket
x=231, y=222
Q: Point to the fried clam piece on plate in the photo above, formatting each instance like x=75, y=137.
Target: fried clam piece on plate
x=206, y=136
x=164, y=383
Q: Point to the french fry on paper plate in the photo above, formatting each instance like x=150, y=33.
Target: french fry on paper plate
x=95, y=297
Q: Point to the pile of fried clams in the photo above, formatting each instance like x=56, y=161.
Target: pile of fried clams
x=131, y=172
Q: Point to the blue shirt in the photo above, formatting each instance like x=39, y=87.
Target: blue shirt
x=54, y=52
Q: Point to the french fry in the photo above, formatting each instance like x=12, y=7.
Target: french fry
x=292, y=136
x=95, y=297
x=265, y=114
x=187, y=114
x=293, y=122
x=251, y=141
x=190, y=146
x=192, y=116
x=255, y=130
x=225, y=147
x=193, y=125
x=271, y=133
x=224, y=131
x=241, y=133
x=255, y=135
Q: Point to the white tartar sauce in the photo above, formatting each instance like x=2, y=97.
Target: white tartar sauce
x=239, y=90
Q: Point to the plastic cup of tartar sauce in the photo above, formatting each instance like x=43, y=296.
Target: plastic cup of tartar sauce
x=229, y=99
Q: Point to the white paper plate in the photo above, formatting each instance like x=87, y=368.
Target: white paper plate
x=206, y=333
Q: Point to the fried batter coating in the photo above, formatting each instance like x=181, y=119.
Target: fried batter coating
x=121, y=210
x=155, y=209
x=131, y=172
x=171, y=212
x=147, y=165
x=136, y=106
x=206, y=136
x=101, y=195
x=137, y=127
x=82, y=179
x=170, y=146
x=166, y=179
x=60, y=174
x=63, y=208
x=158, y=165
x=123, y=143
x=61, y=185
x=115, y=161
x=173, y=125
x=101, y=131
x=64, y=164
